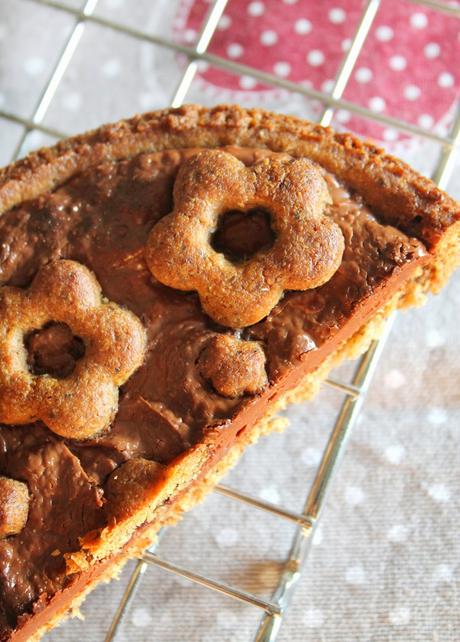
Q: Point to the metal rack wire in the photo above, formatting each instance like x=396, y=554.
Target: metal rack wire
x=354, y=392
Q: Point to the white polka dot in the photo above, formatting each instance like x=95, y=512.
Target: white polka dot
x=412, y=92
x=363, y=74
x=34, y=66
x=72, y=100
x=146, y=100
x=247, y=82
x=268, y=37
x=234, y=50
x=311, y=456
x=398, y=533
x=390, y=134
x=432, y=50
x=445, y=79
x=227, y=537
x=433, y=338
x=426, y=121
x=282, y=69
x=202, y=65
x=343, y=115
x=395, y=453
x=346, y=44
x=443, y=573
x=327, y=86
x=437, y=416
x=376, y=103
x=337, y=15
x=354, y=495
x=317, y=537
x=111, y=68
x=190, y=35
x=384, y=33
x=256, y=8
x=400, y=616
x=141, y=617
x=302, y=26
x=355, y=575
x=397, y=63
x=439, y=492
x=418, y=20
x=315, y=57
x=270, y=494
x=224, y=22
x=394, y=379
x=313, y=618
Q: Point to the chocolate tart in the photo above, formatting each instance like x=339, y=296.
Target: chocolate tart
x=129, y=384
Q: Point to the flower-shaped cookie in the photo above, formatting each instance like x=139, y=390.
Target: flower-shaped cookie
x=83, y=403
x=307, y=250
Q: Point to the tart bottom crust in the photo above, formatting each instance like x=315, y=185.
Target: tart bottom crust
x=120, y=549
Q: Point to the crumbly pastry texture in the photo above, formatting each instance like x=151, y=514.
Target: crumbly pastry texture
x=408, y=229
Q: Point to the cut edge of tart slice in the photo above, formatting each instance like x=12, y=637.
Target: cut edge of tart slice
x=154, y=496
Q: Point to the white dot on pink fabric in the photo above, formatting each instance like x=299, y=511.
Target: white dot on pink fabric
x=432, y=50
x=377, y=103
x=256, y=8
x=397, y=63
x=282, y=69
x=302, y=26
x=268, y=37
x=315, y=57
x=234, y=50
x=363, y=75
x=412, y=92
x=418, y=20
x=337, y=15
x=445, y=79
x=384, y=33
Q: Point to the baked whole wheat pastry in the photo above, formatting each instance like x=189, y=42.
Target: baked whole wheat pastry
x=167, y=284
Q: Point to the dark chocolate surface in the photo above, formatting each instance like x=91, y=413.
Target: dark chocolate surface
x=101, y=218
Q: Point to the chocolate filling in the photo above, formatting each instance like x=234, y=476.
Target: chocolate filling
x=102, y=218
x=240, y=235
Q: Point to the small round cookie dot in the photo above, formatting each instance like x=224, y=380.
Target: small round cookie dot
x=398, y=533
x=400, y=616
x=397, y=63
x=384, y=33
x=256, y=8
x=269, y=37
x=412, y=92
x=302, y=26
x=432, y=50
x=337, y=15
x=315, y=57
x=355, y=575
x=354, y=495
x=446, y=80
x=235, y=50
x=418, y=20
x=282, y=69
x=363, y=75
x=14, y=506
x=395, y=453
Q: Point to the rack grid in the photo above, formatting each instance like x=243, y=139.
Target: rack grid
x=354, y=393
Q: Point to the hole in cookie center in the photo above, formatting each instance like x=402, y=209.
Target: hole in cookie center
x=240, y=235
x=53, y=350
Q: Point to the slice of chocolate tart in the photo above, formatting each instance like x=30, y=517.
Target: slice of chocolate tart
x=167, y=284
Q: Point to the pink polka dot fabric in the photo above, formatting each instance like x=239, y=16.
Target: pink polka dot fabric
x=407, y=67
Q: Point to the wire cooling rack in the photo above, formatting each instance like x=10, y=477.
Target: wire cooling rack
x=354, y=393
